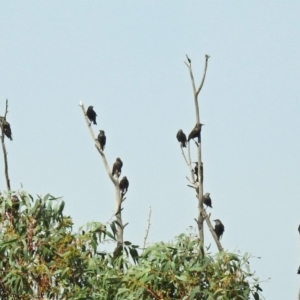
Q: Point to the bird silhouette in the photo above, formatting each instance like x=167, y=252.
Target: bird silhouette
x=124, y=184
x=117, y=167
x=91, y=114
x=219, y=228
x=207, y=200
x=195, y=132
x=181, y=137
x=102, y=139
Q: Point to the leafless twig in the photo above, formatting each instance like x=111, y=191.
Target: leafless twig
x=148, y=227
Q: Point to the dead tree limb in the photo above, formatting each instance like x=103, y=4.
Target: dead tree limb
x=196, y=102
x=118, y=213
x=3, y=123
x=201, y=211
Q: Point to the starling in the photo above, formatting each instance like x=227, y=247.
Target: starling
x=181, y=137
x=102, y=139
x=195, y=132
x=117, y=167
x=124, y=184
x=7, y=130
x=298, y=272
x=299, y=228
x=91, y=114
x=207, y=200
x=219, y=228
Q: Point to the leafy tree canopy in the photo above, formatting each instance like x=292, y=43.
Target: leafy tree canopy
x=42, y=258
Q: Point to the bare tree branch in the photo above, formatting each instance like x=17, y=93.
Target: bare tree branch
x=118, y=214
x=201, y=212
x=184, y=155
x=200, y=194
x=3, y=122
x=204, y=74
x=190, y=164
x=148, y=228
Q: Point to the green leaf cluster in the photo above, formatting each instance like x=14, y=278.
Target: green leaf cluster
x=42, y=258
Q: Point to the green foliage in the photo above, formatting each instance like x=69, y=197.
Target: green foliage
x=41, y=258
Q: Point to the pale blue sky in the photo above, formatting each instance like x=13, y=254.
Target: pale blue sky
x=126, y=59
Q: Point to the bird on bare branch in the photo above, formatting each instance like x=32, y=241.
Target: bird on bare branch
x=6, y=128
x=207, y=200
x=124, y=184
x=102, y=139
x=91, y=114
x=219, y=228
x=195, y=133
x=181, y=137
x=117, y=167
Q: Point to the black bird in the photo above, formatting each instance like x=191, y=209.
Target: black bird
x=195, y=132
x=219, y=228
x=207, y=200
x=299, y=228
x=298, y=272
x=91, y=114
x=124, y=184
x=102, y=139
x=117, y=167
x=181, y=137
x=6, y=129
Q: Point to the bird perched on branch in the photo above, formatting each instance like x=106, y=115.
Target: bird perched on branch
x=219, y=228
x=91, y=114
x=124, y=184
x=181, y=137
x=102, y=139
x=195, y=132
x=117, y=167
x=7, y=129
x=196, y=171
x=207, y=200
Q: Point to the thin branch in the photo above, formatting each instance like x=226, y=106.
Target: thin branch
x=148, y=228
x=204, y=74
x=4, y=148
x=200, y=198
x=189, y=180
x=184, y=155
